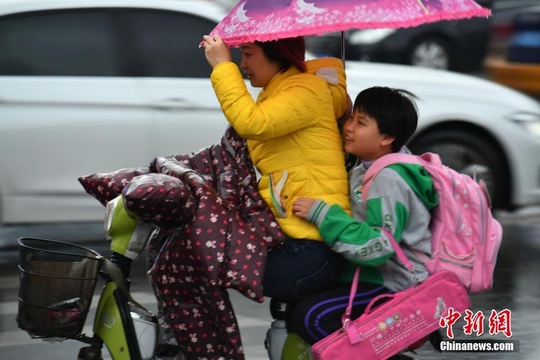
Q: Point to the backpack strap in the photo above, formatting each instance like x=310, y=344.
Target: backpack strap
x=395, y=158
x=381, y=163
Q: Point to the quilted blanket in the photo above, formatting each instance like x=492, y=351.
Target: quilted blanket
x=213, y=233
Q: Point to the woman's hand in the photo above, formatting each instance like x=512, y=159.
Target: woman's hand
x=301, y=207
x=215, y=50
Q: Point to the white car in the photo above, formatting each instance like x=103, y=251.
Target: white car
x=96, y=85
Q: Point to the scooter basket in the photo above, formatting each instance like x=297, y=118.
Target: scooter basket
x=57, y=282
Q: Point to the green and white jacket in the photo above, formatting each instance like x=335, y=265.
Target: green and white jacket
x=400, y=199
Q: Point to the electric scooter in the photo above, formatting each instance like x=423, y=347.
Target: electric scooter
x=53, y=304
x=57, y=283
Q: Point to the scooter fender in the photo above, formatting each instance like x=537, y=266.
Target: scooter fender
x=110, y=325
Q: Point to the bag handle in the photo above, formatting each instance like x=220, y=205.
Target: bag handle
x=346, y=317
x=375, y=300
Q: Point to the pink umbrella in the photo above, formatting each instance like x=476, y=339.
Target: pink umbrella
x=266, y=20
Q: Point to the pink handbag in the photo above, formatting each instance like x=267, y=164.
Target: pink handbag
x=405, y=318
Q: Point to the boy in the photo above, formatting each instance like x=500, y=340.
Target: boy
x=400, y=199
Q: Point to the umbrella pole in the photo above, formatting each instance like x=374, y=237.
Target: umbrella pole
x=342, y=39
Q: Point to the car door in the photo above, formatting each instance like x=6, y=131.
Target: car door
x=67, y=108
x=178, y=97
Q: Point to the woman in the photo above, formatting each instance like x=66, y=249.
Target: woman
x=294, y=141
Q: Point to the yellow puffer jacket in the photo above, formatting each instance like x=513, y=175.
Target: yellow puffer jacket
x=292, y=135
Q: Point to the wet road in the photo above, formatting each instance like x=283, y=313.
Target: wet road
x=516, y=288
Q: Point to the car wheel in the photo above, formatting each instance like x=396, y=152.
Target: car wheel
x=431, y=52
x=470, y=154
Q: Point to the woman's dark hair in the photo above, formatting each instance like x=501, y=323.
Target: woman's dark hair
x=394, y=110
x=286, y=52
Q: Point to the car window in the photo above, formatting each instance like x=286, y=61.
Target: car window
x=58, y=43
x=105, y=42
x=167, y=43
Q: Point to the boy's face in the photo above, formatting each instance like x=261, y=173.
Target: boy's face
x=363, y=139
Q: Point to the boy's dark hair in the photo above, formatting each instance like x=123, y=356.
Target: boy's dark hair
x=394, y=110
x=286, y=52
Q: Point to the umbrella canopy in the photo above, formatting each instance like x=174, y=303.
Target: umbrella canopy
x=265, y=20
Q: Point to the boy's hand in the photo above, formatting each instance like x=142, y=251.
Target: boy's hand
x=215, y=50
x=301, y=206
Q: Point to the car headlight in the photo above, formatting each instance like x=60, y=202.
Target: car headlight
x=530, y=121
x=369, y=36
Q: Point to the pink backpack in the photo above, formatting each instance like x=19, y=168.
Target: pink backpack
x=465, y=236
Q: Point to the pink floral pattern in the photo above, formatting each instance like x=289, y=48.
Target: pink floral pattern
x=106, y=186
x=265, y=20
x=214, y=233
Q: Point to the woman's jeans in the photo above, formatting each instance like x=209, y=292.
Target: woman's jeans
x=301, y=267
